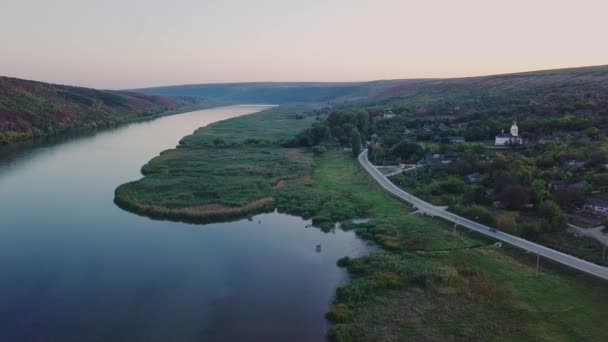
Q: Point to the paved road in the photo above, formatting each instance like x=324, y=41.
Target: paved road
x=562, y=258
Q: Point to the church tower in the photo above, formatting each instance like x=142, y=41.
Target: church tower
x=514, y=130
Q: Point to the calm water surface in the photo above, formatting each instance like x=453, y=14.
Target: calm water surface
x=75, y=267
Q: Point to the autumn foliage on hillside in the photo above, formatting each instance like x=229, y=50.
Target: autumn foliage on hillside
x=29, y=109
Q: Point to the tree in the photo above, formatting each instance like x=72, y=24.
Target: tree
x=406, y=150
x=355, y=139
x=597, y=158
x=452, y=185
x=476, y=195
x=554, y=220
x=593, y=133
x=569, y=197
x=539, y=191
x=318, y=134
x=377, y=153
x=363, y=122
x=514, y=197
x=462, y=167
x=218, y=142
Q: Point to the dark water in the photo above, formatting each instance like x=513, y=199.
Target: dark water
x=74, y=267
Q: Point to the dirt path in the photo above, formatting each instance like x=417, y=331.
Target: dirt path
x=594, y=233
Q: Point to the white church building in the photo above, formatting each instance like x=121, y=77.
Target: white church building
x=510, y=138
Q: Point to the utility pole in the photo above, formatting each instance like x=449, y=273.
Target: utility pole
x=537, y=262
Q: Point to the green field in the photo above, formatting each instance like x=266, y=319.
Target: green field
x=430, y=284
x=425, y=283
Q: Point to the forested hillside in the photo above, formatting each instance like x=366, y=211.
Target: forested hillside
x=278, y=93
x=521, y=96
x=30, y=109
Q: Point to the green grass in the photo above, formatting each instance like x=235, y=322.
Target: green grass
x=441, y=289
x=203, y=180
x=267, y=128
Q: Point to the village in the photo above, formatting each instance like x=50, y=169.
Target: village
x=551, y=188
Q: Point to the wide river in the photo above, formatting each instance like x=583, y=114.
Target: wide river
x=74, y=267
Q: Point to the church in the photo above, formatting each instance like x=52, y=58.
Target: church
x=510, y=138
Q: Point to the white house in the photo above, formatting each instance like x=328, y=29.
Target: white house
x=510, y=138
x=596, y=206
x=388, y=114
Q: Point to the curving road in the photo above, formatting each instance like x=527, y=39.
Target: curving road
x=562, y=258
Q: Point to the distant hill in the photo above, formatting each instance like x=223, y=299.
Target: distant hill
x=276, y=93
x=534, y=93
x=29, y=108
x=568, y=87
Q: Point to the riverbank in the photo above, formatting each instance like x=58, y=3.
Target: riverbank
x=31, y=109
x=10, y=139
x=426, y=284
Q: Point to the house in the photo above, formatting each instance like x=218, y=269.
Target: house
x=456, y=140
x=388, y=114
x=474, y=177
x=548, y=140
x=511, y=138
x=573, y=165
x=563, y=185
x=598, y=206
x=408, y=131
x=432, y=157
x=437, y=159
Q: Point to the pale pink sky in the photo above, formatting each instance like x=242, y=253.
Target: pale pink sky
x=136, y=43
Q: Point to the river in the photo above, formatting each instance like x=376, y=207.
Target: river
x=74, y=267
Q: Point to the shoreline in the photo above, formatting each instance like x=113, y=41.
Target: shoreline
x=67, y=133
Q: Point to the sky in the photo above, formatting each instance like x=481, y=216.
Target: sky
x=119, y=44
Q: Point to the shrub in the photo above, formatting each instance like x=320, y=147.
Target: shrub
x=514, y=196
x=476, y=213
x=341, y=333
x=554, y=219
x=344, y=261
x=452, y=185
x=506, y=222
x=339, y=313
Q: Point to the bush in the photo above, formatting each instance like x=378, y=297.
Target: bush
x=344, y=261
x=452, y=185
x=476, y=195
x=514, y=197
x=476, y=213
x=339, y=313
x=554, y=220
x=341, y=333
x=506, y=222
